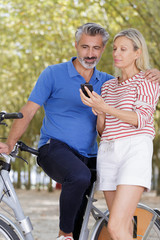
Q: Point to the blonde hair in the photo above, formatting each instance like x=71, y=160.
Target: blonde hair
x=142, y=63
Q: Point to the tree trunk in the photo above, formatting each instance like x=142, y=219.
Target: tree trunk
x=19, y=175
x=50, y=188
x=28, y=185
x=158, y=183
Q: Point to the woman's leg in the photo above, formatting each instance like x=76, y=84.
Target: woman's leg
x=109, y=197
x=122, y=206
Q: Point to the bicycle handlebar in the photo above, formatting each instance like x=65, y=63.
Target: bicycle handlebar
x=4, y=115
x=23, y=147
x=20, y=145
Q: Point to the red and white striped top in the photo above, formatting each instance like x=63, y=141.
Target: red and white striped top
x=135, y=94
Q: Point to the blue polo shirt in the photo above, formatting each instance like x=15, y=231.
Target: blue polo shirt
x=66, y=117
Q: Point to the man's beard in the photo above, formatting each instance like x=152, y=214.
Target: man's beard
x=88, y=65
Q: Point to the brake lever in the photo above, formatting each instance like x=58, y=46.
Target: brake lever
x=14, y=155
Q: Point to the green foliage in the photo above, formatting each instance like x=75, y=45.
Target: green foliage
x=38, y=33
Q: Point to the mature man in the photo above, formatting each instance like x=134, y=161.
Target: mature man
x=67, y=146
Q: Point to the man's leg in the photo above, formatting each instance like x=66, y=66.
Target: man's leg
x=62, y=164
x=91, y=164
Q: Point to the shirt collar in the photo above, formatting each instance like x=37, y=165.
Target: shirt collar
x=73, y=72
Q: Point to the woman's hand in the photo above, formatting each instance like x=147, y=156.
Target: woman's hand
x=94, y=100
x=98, y=107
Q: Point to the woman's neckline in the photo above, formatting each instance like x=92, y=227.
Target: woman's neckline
x=128, y=79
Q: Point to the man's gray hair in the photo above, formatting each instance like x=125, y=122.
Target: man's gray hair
x=92, y=29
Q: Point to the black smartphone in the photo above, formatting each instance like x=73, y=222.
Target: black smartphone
x=89, y=86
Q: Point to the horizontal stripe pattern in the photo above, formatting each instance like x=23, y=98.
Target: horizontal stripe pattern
x=135, y=94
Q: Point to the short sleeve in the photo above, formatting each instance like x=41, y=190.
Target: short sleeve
x=43, y=87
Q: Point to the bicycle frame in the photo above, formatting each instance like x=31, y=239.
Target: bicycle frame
x=9, y=197
x=97, y=214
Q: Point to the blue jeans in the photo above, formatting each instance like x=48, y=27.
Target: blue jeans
x=66, y=166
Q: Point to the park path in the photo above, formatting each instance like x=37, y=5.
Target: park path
x=43, y=210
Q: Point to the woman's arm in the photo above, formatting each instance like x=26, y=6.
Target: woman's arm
x=125, y=116
x=147, y=98
x=100, y=123
x=97, y=103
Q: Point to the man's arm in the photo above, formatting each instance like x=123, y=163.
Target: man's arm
x=19, y=126
x=153, y=75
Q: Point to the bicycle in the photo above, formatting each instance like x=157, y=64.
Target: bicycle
x=146, y=221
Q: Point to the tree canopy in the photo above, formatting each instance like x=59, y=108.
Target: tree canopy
x=38, y=33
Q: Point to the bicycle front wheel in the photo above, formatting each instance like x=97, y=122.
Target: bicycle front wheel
x=146, y=226
x=6, y=232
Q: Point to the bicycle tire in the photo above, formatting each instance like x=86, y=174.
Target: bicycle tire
x=151, y=231
x=7, y=232
x=100, y=230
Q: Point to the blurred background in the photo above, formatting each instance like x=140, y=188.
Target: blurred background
x=38, y=33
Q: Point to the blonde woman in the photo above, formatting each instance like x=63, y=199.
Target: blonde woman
x=125, y=121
